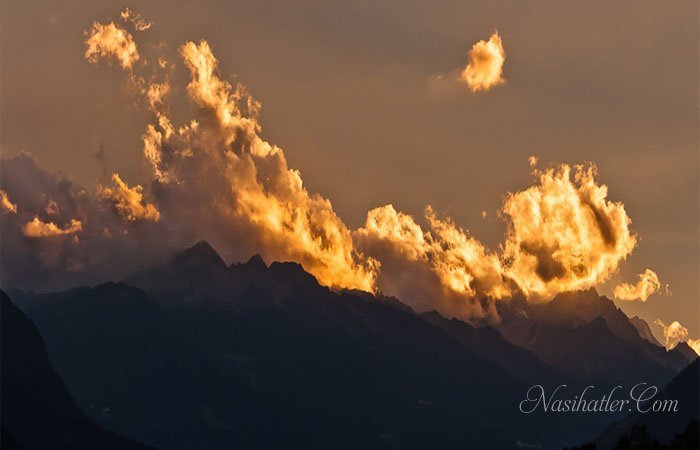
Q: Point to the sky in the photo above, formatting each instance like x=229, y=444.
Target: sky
x=363, y=97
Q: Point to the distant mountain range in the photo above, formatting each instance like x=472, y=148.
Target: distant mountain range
x=587, y=337
x=198, y=354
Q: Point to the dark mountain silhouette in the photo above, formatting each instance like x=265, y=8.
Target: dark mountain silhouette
x=489, y=343
x=37, y=410
x=638, y=439
x=198, y=265
x=684, y=349
x=250, y=356
x=661, y=427
x=128, y=368
x=586, y=336
x=644, y=330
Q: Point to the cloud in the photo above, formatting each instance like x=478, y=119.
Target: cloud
x=111, y=41
x=234, y=188
x=563, y=233
x=35, y=228
x=129, y=202
x=64, y=235
x=647, y=285
x=484, y=69
x=674, y=333
x=5, y=204
x=135, y=19
x=214, y=177
x=435, y=269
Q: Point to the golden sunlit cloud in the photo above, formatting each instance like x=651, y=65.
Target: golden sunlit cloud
x=485, y=67
x=563, y=233
x=112, y=42
x=439, y=268
x=674, y=333
x=129, y=202
x=647, y=285
x=222, y=155
x=35, y=228
x=136, y=20
x=226, y=181
x=5, y=203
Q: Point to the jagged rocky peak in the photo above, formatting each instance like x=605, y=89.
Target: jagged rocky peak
x=255, y=264
x=582, y=297
x=292, y=273
x=200, y=254
x=686, y=350
x=644, y=330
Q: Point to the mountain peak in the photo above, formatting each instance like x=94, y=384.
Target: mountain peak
x=644, y=330
x=256, y=260
x=291, y=272
x=584, y=296
x=255, y=265
x=686, y=350
x=200, y=254
x=576, y=306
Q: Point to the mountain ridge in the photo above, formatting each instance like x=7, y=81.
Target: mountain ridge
x=37, y=410
x=254, y=351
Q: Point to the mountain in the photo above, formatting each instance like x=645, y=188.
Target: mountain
x=200, y=355
x=586, y=336
x=593, y=353
x=128, y=367
x=664, y=425
x=489, y=343
x=644, y=331
x=199, y=265
x=686, y=350
x=37, y=410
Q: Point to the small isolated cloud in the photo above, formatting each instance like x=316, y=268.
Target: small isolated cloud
x=113, y=42
x=5, y=204
x=485, y=67
x=647, y=285
x=36, y=228
x=139, y=23
x=128, y=201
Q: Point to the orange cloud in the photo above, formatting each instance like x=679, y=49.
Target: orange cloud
x=135, y=19
x=439, y=268
x=228, y=182
x=35, y=228
x=5, y=203
x=485, y=67
x=112, y=42
x=129, y=202
x=647, y=285
x=563, y=233
x=222, y=157
x=289, y=222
